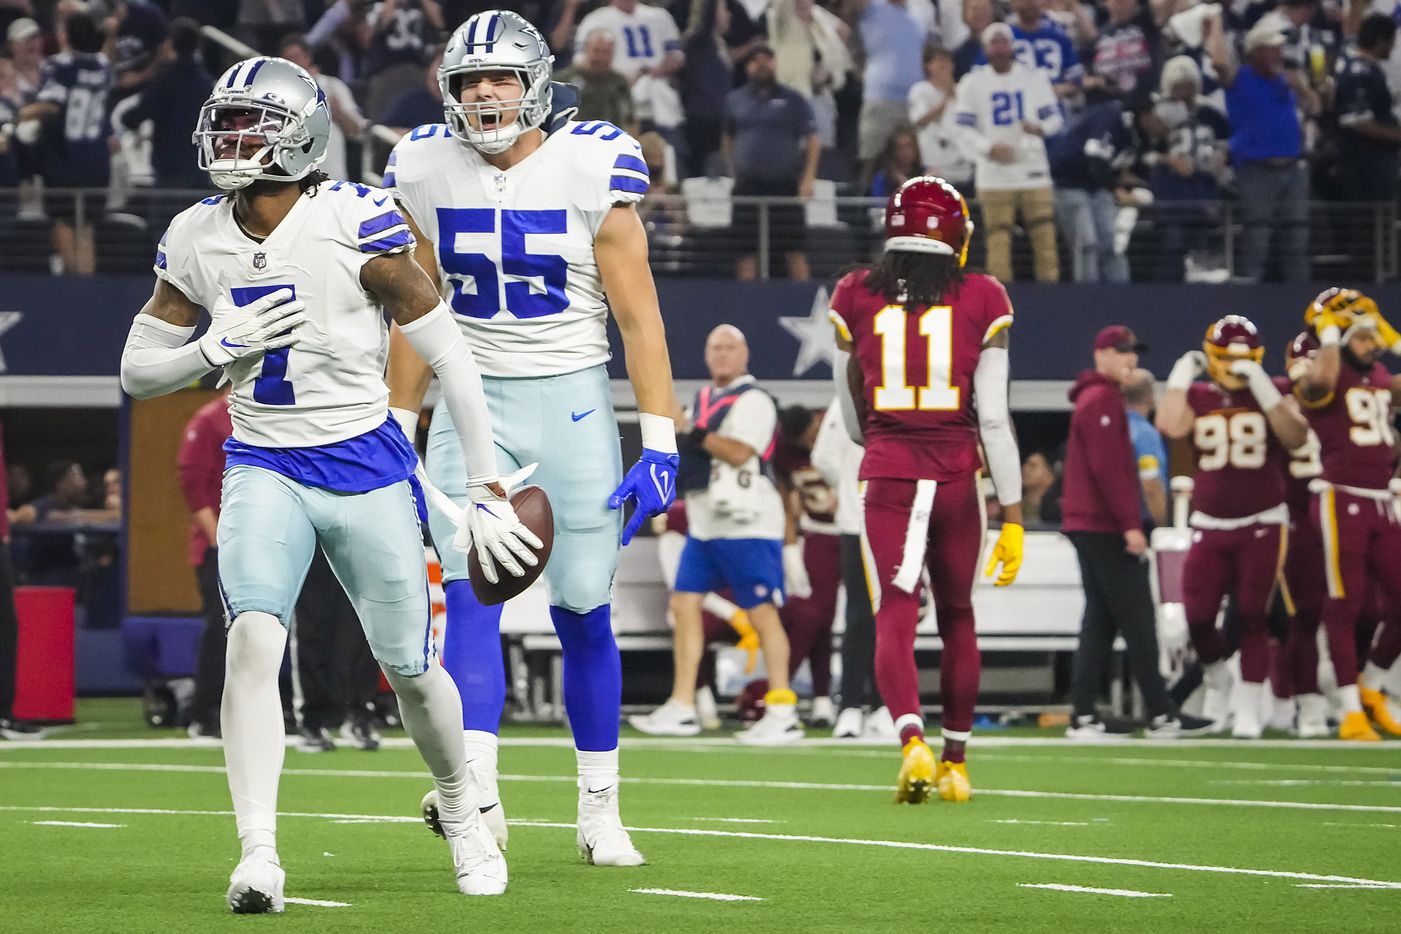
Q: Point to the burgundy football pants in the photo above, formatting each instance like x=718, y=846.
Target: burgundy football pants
x=1361, y=544
x=808, y=620
x=1244, y=563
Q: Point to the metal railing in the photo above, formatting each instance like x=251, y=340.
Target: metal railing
x=763, y=238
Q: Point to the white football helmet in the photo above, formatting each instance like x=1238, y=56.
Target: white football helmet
x=498, y=40
x=269, y=102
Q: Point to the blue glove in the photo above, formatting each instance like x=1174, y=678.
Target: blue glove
x=652, y=484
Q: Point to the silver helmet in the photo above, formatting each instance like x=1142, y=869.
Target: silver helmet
x=267, y=103
x=499, y=41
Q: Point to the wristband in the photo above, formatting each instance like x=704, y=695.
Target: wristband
x=658, y=432
x=1330, y=336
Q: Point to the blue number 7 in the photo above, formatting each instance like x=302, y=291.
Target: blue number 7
x=271, y=387
x=522, y=299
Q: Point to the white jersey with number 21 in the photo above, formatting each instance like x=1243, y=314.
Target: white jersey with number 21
x=515, y=248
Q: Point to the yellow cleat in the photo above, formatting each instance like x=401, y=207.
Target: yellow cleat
x=1356, y=728
x=916, y=773
x=952, y=779
x=1374, y=702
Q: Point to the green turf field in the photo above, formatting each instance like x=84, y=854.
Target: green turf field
x=1224, y=837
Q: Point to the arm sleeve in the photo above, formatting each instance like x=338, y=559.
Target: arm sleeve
x=830, y=446
x=157, y=360
x=995, y=424
x=1048, y=112
x=438, y=340
x=965, y=121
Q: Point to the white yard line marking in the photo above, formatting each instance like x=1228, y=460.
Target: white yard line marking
x=74, y=823
x=736, y=820
x=1122, y=893
x=1331, y=885
x=735, y=783
x=787, y=838
x=727, y=743
x=316, y=903
x=711, y=896
x=1343, y=824
x=1042, y=823
x=1305, y=782
x=1207, y=764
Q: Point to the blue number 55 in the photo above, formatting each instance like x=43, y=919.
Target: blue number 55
x=475, y=277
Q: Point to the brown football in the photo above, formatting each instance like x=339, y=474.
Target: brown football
x=533, y=507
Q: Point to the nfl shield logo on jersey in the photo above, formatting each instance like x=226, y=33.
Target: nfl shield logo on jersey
x=260, y=261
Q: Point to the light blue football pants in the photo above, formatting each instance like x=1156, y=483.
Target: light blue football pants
x=566, y=425
x=268, y=529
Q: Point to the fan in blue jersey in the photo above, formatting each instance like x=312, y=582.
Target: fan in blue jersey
x=73, y=153
x=298, y=273
x=1041, y=43
x=530, y=226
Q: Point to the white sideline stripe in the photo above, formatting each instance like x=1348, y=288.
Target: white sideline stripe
x=733, y=783
x=316, y=903
x=712, y=896
x=74, y=823
x=1303, y=782
x=1042, y=823
x=1334, y=885
x=1231, y=765
x=736, y=820
x=1332, y=823
x=792, y=838
x=728, y=744
x=981, y=851
x=1123, y=893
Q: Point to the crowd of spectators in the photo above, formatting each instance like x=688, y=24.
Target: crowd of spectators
x=1112, y=106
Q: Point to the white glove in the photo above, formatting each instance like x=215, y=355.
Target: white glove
x=1261, y=386
x=1186, y=370
x=795, y=572
x=268, y=323
x=408, y=421
x=491, y=526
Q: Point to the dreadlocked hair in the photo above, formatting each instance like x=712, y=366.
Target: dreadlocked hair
x=913, y=278
x=313, y=178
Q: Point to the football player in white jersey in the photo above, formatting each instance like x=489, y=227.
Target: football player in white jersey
x=534, y=236
x=297, y=272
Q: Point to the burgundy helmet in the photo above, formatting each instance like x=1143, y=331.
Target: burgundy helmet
x=1299, y=351
x=928, y=215
x=1232, y=338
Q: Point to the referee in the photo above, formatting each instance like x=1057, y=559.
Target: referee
x=1102, y=520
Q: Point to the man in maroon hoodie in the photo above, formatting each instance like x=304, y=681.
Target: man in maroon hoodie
x=1102, y=519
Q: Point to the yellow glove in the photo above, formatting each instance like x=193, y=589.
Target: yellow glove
x=1008, y=552
x=1386, y=334
x=748, y=639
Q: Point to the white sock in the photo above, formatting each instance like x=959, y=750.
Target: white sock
x=251, y=717
x=432, y=713
x=482, y=757
x=597, y=770
x=1350, y=697
x=1374, y=676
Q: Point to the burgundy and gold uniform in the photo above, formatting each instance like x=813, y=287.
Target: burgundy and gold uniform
x=1239, y=522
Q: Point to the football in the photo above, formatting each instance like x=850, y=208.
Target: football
x=533, y=507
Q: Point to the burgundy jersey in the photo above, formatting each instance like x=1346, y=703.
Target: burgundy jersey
x=1240, y=462
x=793, y=465
x=1354, y=428
x=917, y=366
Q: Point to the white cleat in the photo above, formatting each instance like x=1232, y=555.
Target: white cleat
x=1281, y=714
x=848, y=724
x=256, y=885
x=480, y=867
x=881, y=725
x=602, y=839
x=1216, y=705
x=824, y=712
x=493, y=815
x=707, y=711
x=670, y=719
x=1313, y=717
x=1245, y=710
x=773, y=729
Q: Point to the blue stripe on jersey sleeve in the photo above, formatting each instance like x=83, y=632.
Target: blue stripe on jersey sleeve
x=388, y=181
x=394, y=241
x=1045, y=112
x=633, y=163
x=966, y=119
x=625, y=183
x=160, y=259
x=375, y=224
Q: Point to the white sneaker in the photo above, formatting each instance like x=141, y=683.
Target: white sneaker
x=256, y=885
x=774, y=728
x=1216, y=705
x=881, y=725
x=848, y=724
x=1281, y=714
x=1245, y=710
x=1313, y=717
x=670, y=719
x=480, y=867
x=707, y=711
x=493, y=814
x=823, y=713
x=602, y=839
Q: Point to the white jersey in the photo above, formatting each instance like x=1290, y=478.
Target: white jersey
x=515, y=248
x=740, y=502
x=991, y=108
x=330, y=386
x=641, y=38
